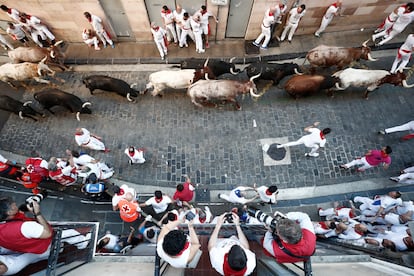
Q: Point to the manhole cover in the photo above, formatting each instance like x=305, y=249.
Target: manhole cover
x=275, y=153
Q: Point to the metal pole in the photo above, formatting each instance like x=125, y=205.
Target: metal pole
x=215, y=35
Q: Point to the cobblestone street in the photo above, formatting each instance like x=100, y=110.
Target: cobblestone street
x=219, y=148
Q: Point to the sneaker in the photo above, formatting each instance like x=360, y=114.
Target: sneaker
x=162, y=58
x=343, y=167
x=373, y=38
x=316, y=154
x=382, y=132
x=207, y=45
x=263, y=48
x=256, y=44
x=97, y=49
x=186, y=45
x=201, y=51
x=113, y=46
x=396, y=179
x=317, y=35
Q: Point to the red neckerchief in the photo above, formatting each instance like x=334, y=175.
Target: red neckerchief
x=202, y=220
x=335, y=5
x=405, y=11
x=281, y=6
x=28, y=16
x=158, y=200
x=166, y=11
x=186, y=245
x=131, y=153
x=9, y=11
x=271, y=14
x=268, y=192
x=228, y=271
x=121, y=192
x=323, y=225
x=203, y=11
x=322, y=135
x=384, y=155
x=359, y=232
x=156, y=29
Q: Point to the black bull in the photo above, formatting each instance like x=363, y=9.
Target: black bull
x=110, y=84
x=22, y=109
x=218, y=67
x=271, y=71
x=53, y=97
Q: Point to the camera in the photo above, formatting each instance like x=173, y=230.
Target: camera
x=228, y=217
x=265, y=218
x=39, y=197
x=190, y=216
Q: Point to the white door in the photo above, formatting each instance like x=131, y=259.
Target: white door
x=154, y=8
x=238, y=19
x=119, y=23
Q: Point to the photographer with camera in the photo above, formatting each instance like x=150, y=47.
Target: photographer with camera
x=291, y=238
x=231, y=256
x=25, y=240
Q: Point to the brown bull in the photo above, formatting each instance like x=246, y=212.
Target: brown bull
x=304, y=85
x=326, y=56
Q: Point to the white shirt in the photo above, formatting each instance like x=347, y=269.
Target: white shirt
x=161, y=206
x=83, y=159
x=14, y=14
x=84, y=138
x=314, y=138
x=331, y=11
x=178, y=17
x=268, y=19
x=96, y=23
x=158, y=34
x=195, y=25
x=408, y=44
x=116, y=198
x=113, y=240
x=234, y=198
x=295, y=17
x=17, y=31
x=176, y=261
x=168, y=17
x=265, y=197
x=204, y=17
x=403, y=20
x=31, y=229
x=222, y=247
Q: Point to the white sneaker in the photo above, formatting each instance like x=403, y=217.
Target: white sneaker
x=201, y=51
x=396, y=179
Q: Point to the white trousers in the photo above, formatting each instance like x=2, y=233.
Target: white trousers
x=301, y=141
x=45, y=30
x=161, y=47
x=362, y=162
x=35, y=36
x=198, y=40
x=183, y=38
x=405, y=58
x=408, y=126
x=325, y=22
x=104, y=37
x=171, y=31
x=291, y=28
x=95, y=144
x=265, y=34
x=92, y=41
x=390, y=36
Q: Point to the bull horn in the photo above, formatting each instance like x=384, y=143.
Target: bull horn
x=206, y=76
x=406, y=85
x=297, y=72
x=133, y=85
x=52, y=54
x=365, y=43
x=129, y=97
x=59, y=42
x=253, y=94
x=77, y=116
x=338, y=87
x=205, y=63
x=21, y=115
x=86, y=104
x=256, y=76
x=370, y=58
x=27, y=103
x=43, y=60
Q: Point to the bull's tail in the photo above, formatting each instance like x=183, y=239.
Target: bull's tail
x=175, y=66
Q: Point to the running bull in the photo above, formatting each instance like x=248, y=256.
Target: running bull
x=326, y=56
x=371, y=79
x=217, y=67
x=272, y=71
x=111, y=84
x=53, y=97
x=22, y=109
x=304, y=85
x=206, y=92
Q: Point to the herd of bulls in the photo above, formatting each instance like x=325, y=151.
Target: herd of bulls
x=208, y=82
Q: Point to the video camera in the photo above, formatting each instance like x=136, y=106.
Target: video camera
x=228, y=217
x=265, y=218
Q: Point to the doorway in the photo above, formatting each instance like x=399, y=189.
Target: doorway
x=238, y=19
x=115, y=13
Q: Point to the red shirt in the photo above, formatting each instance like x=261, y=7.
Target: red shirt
x=185, y=195
x=377, y=157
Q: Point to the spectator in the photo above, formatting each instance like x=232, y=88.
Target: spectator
x=184, y=193
x=177, y=248
x=167, y=17
x=341, y=213
x=380, y=205
x=186, y=30
x=407, y=173
x=267, y=194
x=395, y=241
x=203, y=216
x=205, y=28
x=197, y=31
x=268, y=20
x=403, y=55
x=16, y=33
x=100, y=31
x=231, y=256
x=159, y=34
x=136, y=156
x=25, y=240
x=332, y=11
x=371, y=159
x=315, y=140
x=390, y=19
x=148, y=230
x=238, y=195
x=293, y=239
x=401, y=214
x=292, y=22
x=12, y=13
x=108, y=243
x=329, y=228
x=159, y=204
x=90, y=39
x=89, y=140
